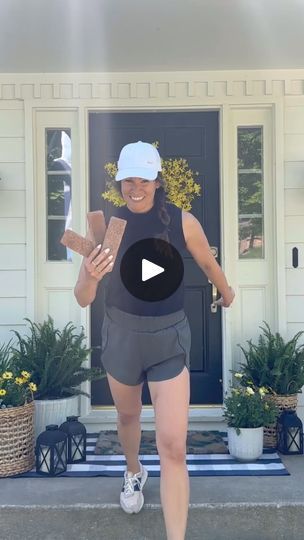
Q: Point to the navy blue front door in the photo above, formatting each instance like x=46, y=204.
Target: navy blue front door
x=195, y=137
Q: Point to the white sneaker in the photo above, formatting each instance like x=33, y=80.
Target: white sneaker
x=131, y=496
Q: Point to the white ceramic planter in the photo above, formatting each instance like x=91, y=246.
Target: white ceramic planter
x=54, y=411
x=248, y=445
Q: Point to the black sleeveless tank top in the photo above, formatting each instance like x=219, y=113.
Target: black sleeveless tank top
x=140, y=226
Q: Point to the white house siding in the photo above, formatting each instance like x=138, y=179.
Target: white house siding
x=12, y=219
x=20, y=94
x=294, y=218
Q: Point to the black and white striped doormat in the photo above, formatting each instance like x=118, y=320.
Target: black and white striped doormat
x=114, y=465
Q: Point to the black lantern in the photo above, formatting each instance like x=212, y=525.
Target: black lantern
x=77, y=439
x=51, y=451
x=290, y=433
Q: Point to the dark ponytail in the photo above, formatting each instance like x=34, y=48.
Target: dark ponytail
x=160, y=198
x=161, y=207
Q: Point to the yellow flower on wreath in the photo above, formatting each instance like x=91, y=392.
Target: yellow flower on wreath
x=180, y=187
x=2, y=392
x=7, y=375
x=33, y=387
x=20, y=380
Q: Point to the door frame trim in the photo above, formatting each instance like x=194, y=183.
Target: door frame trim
x=214, y=412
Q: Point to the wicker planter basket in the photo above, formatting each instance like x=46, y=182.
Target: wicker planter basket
x=283, y=402
x=17, y=442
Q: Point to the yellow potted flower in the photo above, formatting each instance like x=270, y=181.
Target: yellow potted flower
x=17, y=439
x=247, y=411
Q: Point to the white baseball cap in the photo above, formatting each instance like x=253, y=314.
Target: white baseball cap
x=139, y=160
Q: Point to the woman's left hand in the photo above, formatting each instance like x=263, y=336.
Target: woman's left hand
x=225, y=301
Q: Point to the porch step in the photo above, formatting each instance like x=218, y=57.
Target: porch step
x=221, y=508
x=205, y=522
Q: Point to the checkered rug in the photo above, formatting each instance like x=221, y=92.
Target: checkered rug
x=199, y=462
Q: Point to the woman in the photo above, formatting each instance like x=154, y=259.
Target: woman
x=153, y=336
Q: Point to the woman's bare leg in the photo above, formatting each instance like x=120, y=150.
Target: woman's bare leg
x=127, y=400
x=170, y=399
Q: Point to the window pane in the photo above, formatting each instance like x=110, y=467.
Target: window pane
x=59, y=191
x=250, y=193
x=56, y=251
x=249, y=148
x=251, y=238
x=58, y=188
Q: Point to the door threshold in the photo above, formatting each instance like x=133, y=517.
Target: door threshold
x=200, y=417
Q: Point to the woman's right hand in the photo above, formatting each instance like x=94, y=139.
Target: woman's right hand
x=225, y=301
x=98, y=264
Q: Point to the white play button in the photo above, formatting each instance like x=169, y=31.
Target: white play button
x=137, y=270
x=150, y=270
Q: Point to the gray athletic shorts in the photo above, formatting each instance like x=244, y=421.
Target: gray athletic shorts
x=135, y=348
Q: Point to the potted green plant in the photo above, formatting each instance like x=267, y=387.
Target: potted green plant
x=55, y=359
x=16, y=416
x=247, y=411
x=278, y=365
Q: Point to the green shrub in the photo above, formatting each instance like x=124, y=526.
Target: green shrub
x=5, y=356
x=54, y=358
x=274, y=363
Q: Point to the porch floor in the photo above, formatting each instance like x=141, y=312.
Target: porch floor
x=221, y=508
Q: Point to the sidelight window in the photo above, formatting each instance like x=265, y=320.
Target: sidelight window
x=250, y=192
x=58, y=191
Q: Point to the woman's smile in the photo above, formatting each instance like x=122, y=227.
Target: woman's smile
x=136, y=198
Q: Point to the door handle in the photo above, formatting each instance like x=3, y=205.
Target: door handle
x=214, y=251
x=213, y=306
